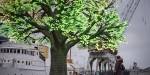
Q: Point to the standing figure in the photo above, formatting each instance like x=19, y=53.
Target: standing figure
x=119, y=67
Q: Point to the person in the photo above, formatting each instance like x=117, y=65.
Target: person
x=119, y=67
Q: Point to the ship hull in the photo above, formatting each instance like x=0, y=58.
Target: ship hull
x=14, y=71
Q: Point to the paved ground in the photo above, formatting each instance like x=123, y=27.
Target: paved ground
x=140, y=73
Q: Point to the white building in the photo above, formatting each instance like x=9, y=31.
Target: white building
x=20, y=59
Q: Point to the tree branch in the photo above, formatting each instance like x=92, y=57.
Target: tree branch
x=110, y=4
x=26, y=30
x=1, y=14
x=88, y=29
x=42, y=29
x=72, y=43
x=97, y=32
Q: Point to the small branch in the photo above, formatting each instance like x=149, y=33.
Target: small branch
x=27, y=36
x=26, y=30
x=87, y=29
x=110, y=4
x=72, y=43
x=1, y=14
x=42, y=29
x=35, y=31
x=97, y=33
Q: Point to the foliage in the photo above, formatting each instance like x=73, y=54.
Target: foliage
x=88, y=22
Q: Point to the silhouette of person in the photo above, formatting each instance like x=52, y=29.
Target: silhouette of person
x=119, y=67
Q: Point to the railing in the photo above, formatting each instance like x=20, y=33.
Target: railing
x=111, y=73
x=102, y=73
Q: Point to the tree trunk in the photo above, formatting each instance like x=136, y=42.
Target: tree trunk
x=58, y=62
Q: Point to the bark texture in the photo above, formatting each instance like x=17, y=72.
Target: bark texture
x=58, y=62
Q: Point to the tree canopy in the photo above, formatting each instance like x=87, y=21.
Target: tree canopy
x=63, y=24
x=88, y=22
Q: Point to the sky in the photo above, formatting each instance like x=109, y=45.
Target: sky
x=136, y=47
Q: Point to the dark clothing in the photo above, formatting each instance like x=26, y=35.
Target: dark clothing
x=122, y=67
x=119, y=68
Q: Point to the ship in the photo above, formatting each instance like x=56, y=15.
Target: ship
x=21, y=59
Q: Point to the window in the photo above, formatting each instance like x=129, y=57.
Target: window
x=2, y=50
x=18, y=51
x=22, y=61
x=18, y=61
x=37, y=53
x=29, y=63
x=10, y=50
x=14, y=50
x=26, y=62
x=32, y=53
x=4, y=60
x=7, y=51
x=25, y=52
x=22, y=51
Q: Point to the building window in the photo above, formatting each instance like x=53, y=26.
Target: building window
x=4, y=50
x=25, y=52
x=1, y=60
x=32, y=53
x=22, y=51
x=14, y=50
x=1, y=50
x=7, y=51
x=29, y=63
x=4, y=60
x=18, y=51
x=37, y=53
x=18, y=61
x=26, y=62
x=10, y=50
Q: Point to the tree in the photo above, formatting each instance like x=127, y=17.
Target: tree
x=63, y=23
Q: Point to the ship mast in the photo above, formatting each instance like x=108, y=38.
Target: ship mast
x=129, y=10
x=69, y=59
